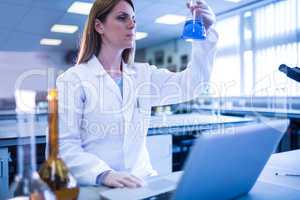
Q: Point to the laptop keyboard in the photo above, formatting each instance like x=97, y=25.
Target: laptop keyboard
x=160, y=183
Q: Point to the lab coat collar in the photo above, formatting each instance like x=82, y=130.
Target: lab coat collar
x=97, y=68
x=129, y=70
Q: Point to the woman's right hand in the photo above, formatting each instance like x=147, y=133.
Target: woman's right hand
x=202, y=9
x=121, y=179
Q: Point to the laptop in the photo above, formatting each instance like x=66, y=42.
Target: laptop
x=223, y=164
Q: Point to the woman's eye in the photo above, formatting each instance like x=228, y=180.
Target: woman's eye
x=122, y=18
x=125, y=18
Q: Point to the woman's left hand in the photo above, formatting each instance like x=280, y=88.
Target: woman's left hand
x=203, y=10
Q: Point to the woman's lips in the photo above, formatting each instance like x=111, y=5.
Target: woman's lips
x=130, y=35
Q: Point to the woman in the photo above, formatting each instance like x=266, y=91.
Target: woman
x=105, y=100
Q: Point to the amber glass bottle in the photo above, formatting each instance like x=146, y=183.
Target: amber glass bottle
x=54, y=171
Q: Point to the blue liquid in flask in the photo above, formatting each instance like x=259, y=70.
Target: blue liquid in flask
x=194, y=29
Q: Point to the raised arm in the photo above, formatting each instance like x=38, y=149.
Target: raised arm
x=171, y=88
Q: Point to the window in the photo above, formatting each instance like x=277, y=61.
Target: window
x=275, y=41
x=225, y=80
x=228, y=30
x=253, y=43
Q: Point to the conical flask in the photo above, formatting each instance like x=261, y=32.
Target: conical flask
x=193, y=27
x=54, y=171
x=27, y=183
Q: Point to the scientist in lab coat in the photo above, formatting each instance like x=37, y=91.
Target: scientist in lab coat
x=105, y=100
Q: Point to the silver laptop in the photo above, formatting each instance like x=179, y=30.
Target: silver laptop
x=223, y=164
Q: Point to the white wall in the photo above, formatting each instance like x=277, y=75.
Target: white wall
x=30, y=69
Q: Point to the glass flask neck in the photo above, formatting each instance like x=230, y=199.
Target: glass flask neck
x=26, y=152
x=53, y=123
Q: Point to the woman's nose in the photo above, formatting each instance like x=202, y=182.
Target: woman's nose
x=131, y=24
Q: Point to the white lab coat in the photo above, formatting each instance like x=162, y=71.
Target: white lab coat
x=101, y=130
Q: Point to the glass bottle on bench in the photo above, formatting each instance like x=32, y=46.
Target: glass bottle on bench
x=27, y=183
x=54, y=171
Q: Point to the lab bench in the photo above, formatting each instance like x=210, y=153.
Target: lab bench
x=169, y=140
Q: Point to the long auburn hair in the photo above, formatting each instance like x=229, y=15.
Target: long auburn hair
x=91, y=40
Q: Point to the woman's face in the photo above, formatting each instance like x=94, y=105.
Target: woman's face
x=118, y=30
